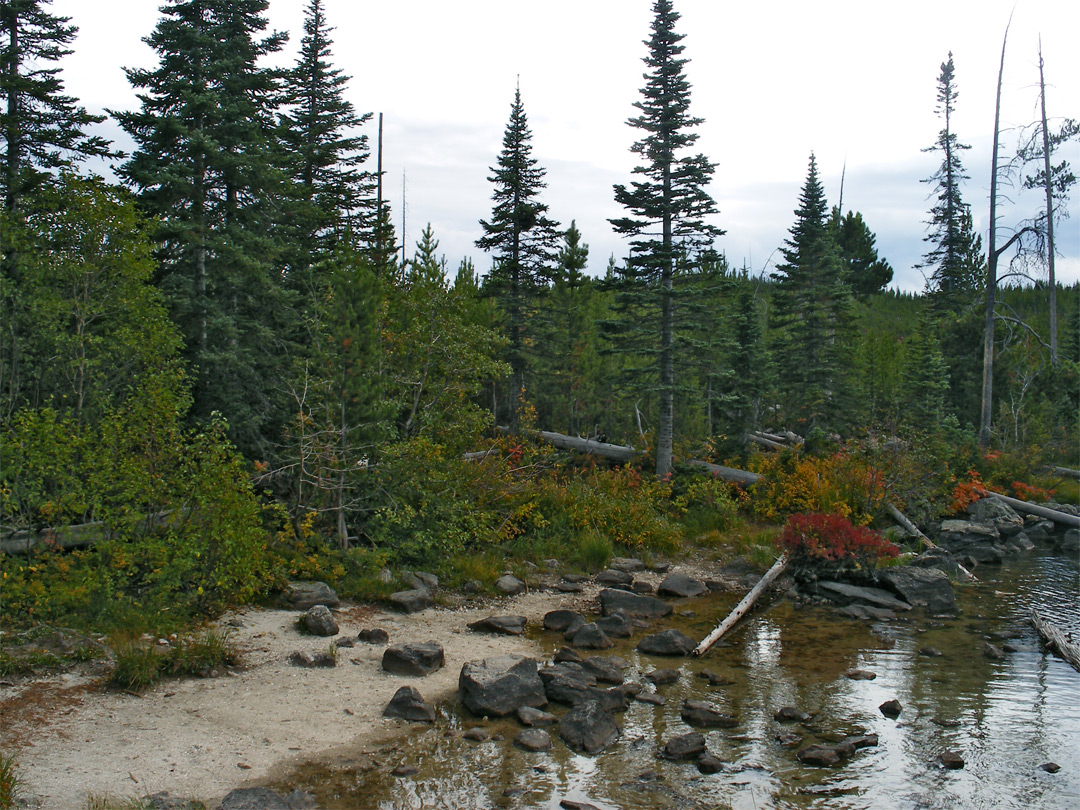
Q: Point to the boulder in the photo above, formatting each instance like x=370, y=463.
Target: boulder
x=412, y=601
x=1070, y=541
x=510, y=585
x=789, y=714
x=569, y=684
x=667, y=642
x=822, y=755
x=606, y=670
x=500, y=685
x=685, y=746
x=1038, y=529
x=566, y=655
x=373, y=635
x=529, y=716
x=662, y=677
x=617, y=625
x=633, y=605
x=1019, y=543
x=998, y=514
x=421, y=580
x=408, y=704
x=681, y=586
x=263, y=798
x=981, y=541
x=413, y=658
x=533, y=739
x=845, y=594
x=560, y=620
x=588, y=728
x=891, y=708
x=613, y=577
x=630, y=565
x=701, y=715
x=590, y=637
x=500, y=625
x=642, y=587
x=708, y=764
x=951, y=760
x=309, y=660
x=304, y=595
x=993, y=652
x=943, y=560
x=921, y=587
x=865, y=612
x=319, y=621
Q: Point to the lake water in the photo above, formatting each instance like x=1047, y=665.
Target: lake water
x=1005, y=718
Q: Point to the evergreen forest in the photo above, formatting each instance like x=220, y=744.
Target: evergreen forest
x=220, y=369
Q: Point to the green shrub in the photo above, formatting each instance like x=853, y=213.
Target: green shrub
x=137, y=666
x=197, y=656
x=9, y=781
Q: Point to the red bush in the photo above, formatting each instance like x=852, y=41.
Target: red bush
x=832, y=538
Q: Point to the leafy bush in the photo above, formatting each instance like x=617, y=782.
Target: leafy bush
x=846, y=483
x=830, y=545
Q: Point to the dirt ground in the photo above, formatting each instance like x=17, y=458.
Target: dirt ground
x=75, y=738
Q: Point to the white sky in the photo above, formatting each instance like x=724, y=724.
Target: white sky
x=851, y=80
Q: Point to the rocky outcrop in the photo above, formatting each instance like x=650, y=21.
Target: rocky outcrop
x=501, y=685
x=995, y=512
x=980, y=541
x=921, y=587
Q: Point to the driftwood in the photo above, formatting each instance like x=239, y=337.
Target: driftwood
x=1063, y=518
x=766, y=442
x=1056, y=640
x=1066, y=472
x=899, y=517
x=741, y=609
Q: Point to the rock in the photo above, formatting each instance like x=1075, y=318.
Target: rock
x=642, y=587
x=861, y=741
x=846, y=594
x=560, y=620
x=951, y=760
x=477, y=734
x=408, y=704
x=662, y=677
x=568, y=587
x=605, y=669
x=943, y=560
x=405, y=770
x=861, y=674
x=982, y=541
x=1038, y=529
x=633, y=605
x=472, y=586
x=680, y=585
x=629, y=565
x=788, y=740
x=533, y=739
x=685, y=746
x=651, y=698
x=822, y=755
x=569, y=684
x=500, y=685
x=262, y=798
x=308, y=660
x=500, y=625
x=319, y=621
x=867, y=613
x=789, y=714
x=613, y=577
x=701, y=715
x=374, y=635
x=998, y=514
x=163, y=801
x=930, y=652
x=529, y=716
x=994, y=653
x=921, y=587
x=304, y=595
x=708, y=764
x=891, y=708
x=667, y=642
x=570, y=804
x=412, y=601
x=617, y=625
x=1019, y=543
x=565, y=655
x=421, y=580
x=714, y=679
x=1050, y=767
x=590, y=637
x=588, y=729
x=413, y=659
x=510, y=585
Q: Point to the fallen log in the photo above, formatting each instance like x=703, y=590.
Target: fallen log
x=614, y=452
x=741, y=609
x=1066, y=472
x=79, y=536
x=729, y=474
x=1063, y=518
x=900, y=518
x=767, y=443
x=1056, y=640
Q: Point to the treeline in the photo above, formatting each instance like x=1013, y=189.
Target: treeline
x=229, y=337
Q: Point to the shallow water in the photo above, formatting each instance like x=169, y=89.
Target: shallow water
x=1005, y=718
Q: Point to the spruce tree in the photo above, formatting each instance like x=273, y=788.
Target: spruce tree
x=41, y=127
x=523, y=240
x=954, y=262
x=867, y=273
x=812, y=308
x=324, y=150
x=667, y=209
x=206, y=166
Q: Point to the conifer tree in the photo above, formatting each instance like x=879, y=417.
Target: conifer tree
x=813, y=314
x=954, y=261
x=324, y=150
x=522, y=238
x=867, y=273
x=666, y=210
x=206, y=166
x=41, y=128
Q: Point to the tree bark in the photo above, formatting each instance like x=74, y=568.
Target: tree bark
x=744, y=606
x=1049, y=185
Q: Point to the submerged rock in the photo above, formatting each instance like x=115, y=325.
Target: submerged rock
x=685, y=746
x=701, y=714
x=633, y=605
x=588, y=728
x=667, y=642
x=533, y=739
x=590, y=637
x=921, y=587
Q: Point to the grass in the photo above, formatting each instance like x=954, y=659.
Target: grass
x=140, y=665
x=9, y=781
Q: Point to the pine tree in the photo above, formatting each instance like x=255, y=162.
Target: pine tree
x=954, y=262
x=41, y=127
x=522, y=238
x=670, y=200
x=207, y=167
x=813, y=314
x=867, y=273
x=324, y=150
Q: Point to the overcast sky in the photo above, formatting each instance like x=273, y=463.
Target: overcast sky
x=851, y=81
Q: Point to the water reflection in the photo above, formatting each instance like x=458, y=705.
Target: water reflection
x=1005, y=718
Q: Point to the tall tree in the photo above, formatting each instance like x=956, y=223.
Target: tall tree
x=41, y=127
x=522, y=238
x=867, y=273
x=324, y=149
x=812, y=306
x=668, y=206
x=954, y=260
x=206, y=166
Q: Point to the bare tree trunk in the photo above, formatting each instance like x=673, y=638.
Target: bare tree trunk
x=744, y=606
x=1049, y=215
